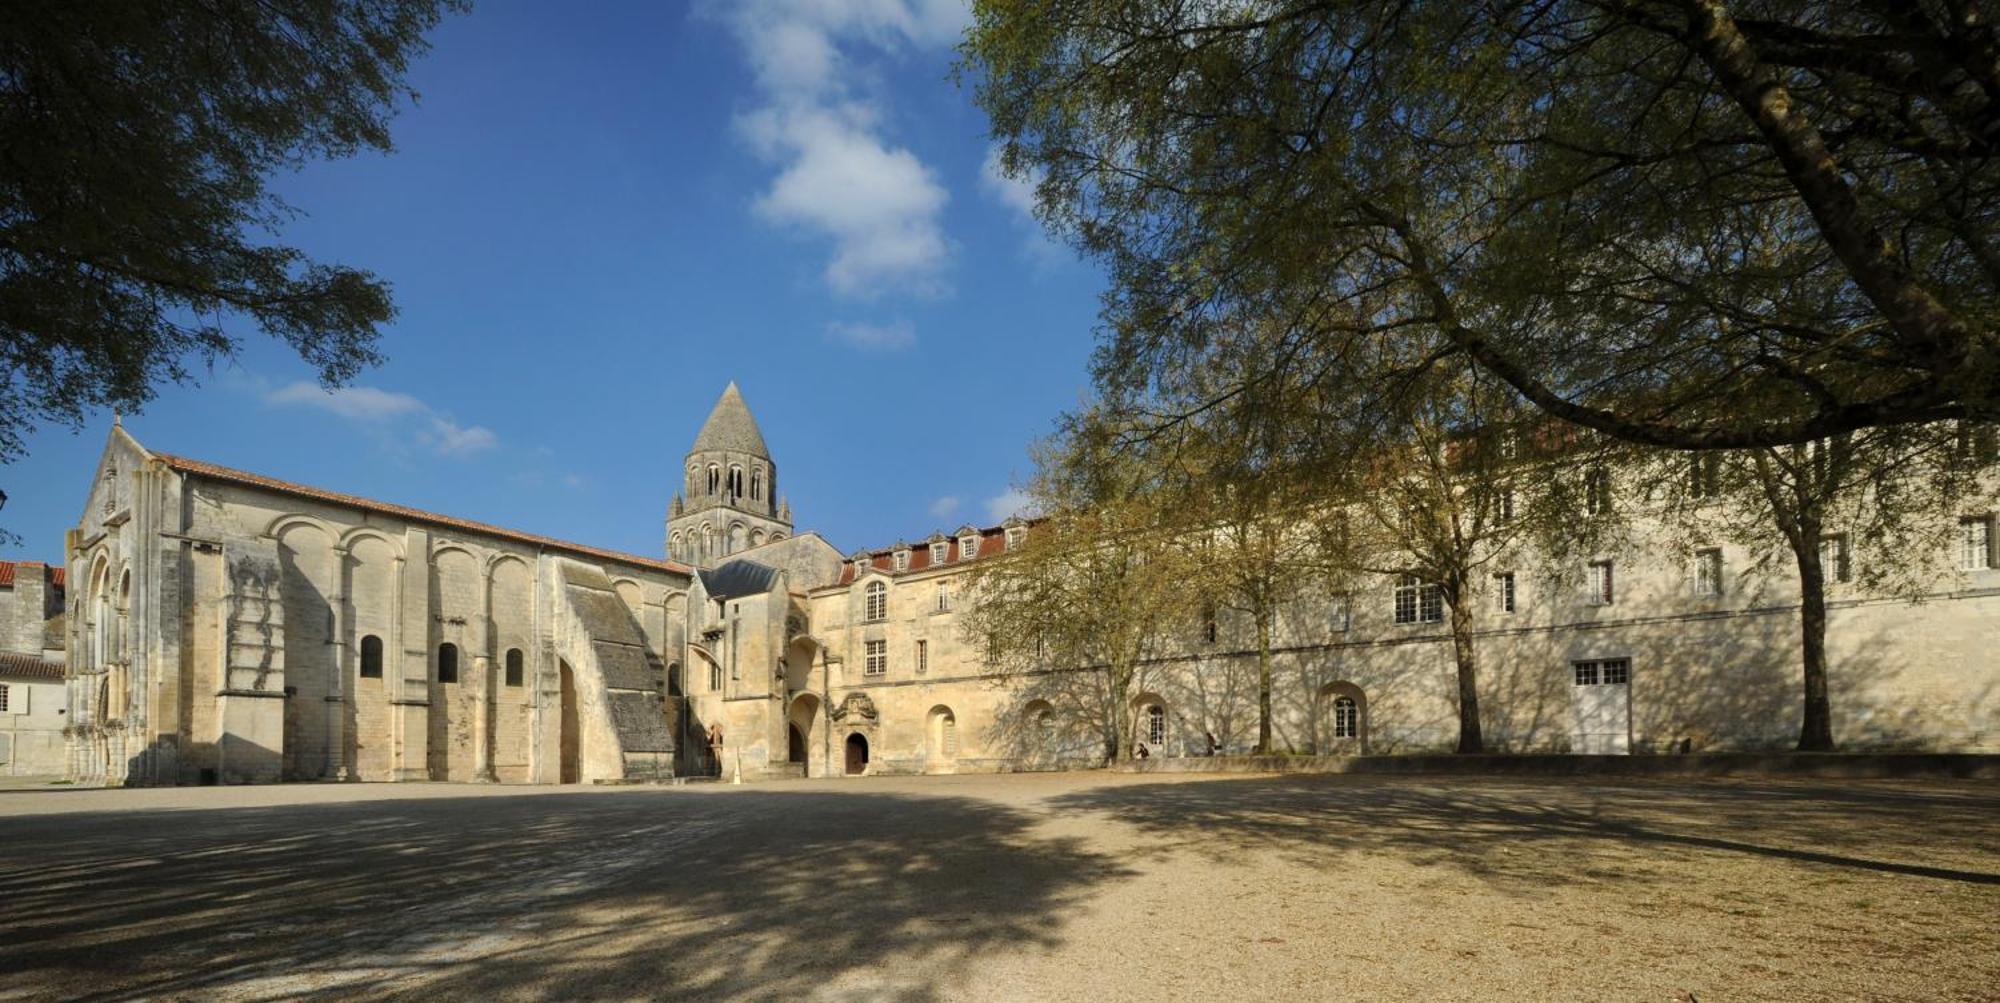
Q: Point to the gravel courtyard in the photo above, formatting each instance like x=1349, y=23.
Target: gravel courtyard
x=1091, y=887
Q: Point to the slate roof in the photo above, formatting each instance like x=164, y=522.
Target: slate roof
x=731, y=428
x=992, y=540
x=738, y=578
x=222, y=473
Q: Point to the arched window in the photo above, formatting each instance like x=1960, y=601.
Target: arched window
x=694, y=477
x=707, y=541
x=371, y=657
x=1156, y=725
x=674, y=547
x=875, y=605
x=757, y=484
x=447, y=662
x=714, y=478
x=1346, y=718
x=514, y=668
x=735, y=481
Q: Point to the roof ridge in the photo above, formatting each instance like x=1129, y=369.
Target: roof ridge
x=204, y=468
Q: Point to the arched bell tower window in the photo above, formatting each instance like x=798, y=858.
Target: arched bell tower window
x=714, y=478
x=757, y=484
x=735, y=481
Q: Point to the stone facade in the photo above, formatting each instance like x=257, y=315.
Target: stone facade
x=229, y=627
x=34, y=707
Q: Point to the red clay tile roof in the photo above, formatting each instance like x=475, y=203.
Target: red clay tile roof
x=29, y=667
x=55, y=574
x=992, y=540
x=221, y=473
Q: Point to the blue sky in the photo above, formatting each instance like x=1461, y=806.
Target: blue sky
x=594, y=222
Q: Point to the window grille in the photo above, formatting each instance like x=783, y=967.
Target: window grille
x=1156, y=725
x=1603, y=589
x=1836, y=561
x=1346, y=718
x=1975, y=538
x=1708, y=573
x=1418, y=601
x=876, y=602
x=876, y=660
x=923, y=657
x=1503, y=592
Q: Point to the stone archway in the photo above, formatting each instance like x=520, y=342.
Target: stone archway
x=1343, y=719
x=857, y=754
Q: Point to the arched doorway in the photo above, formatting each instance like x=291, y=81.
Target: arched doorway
x=857, y=755
x=571, y=744
x=798, y=745
x=943, y=738
x=1343, y=714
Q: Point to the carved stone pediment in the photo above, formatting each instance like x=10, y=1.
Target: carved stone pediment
x=858, y=707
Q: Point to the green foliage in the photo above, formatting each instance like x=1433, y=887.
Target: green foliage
x=136, y=139
x=1648, y=217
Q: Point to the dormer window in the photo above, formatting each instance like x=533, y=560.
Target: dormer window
x=1016, y=534
x=938, y=551
x=968, y=547
x=901, y=559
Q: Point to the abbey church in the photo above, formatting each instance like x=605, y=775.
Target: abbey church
x=228, y=627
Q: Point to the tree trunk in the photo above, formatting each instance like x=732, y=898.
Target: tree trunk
x=1816, y=734
x=1263, y=682
x=1469, y=738
x=1119, y=712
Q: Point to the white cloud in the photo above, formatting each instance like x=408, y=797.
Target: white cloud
x=838, y=177
x=373, y=406
x=1012, y=502
x=944, y=506
x=876, y=337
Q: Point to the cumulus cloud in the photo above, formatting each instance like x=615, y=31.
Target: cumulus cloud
x=944, y=506
x=1012, y=502
x=838, y=176
x=877, y=337
x=383, y=408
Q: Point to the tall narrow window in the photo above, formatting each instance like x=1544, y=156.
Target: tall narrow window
x=1503, y=592
x=371, y=657
x=735, y=481
x=1708, y=573
x=943, y=597
x=447, y=662
x=1597, y=491
x=3, y=698
x=1704, y=475
x=515, y=668
x=1602, y=585
x=1339, y=617
x=1346, y=718
x=876, y=658
x=1503, y=507
x=875, y=602
x=923, y=657
x=1208, y=623
x=1975, y=543
x=715, y=675
x=757, y=484
x=1156, y=725
x=1835, y=559
x=714, y=478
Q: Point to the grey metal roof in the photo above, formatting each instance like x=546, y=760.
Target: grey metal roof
x=730, y=427
x=738, y=578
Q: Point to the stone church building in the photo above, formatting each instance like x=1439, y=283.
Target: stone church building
x=227, y=627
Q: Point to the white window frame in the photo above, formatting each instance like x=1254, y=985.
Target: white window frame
x=1418, y=602
x=1504, y=595
x=875, y=658
x=1597, y=491
x=1836, y=557
x=1601, y=672
x=1015, y=536
x=1346, y=717
x=944, y=597
x=968, y=547
x=1603, y=584
x=1975, y=543
x=1708, y=573
x=874, y=602
x=938, y=552
x=901, y=560
x=1156, y=725
x=923, y=656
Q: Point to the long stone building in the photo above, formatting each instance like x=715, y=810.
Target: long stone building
x=229, y=627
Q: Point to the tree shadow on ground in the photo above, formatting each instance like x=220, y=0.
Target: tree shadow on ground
x=657, y=894
x=1525, y=835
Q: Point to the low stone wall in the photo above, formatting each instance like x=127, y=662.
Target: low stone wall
x=1853, y=766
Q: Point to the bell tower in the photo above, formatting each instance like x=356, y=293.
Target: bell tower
x=728, y=501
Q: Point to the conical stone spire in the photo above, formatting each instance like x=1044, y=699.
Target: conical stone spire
x=730, y=427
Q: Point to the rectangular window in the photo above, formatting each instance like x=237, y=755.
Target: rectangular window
x=876, y=660
x=1418, y=601
x=1975, y=543
x=1603, y=589
x=875, y=602
x=1340, y=618
x=1603, y=672
x=902, y=560
x=1835, y=560
x=3, y=698
x=923, y=657
x=1503, y=508
x=1704, y=475
x=1015, y=536
x=1503, y=592
x=1708, y=573
x=943, y=597
x=715, y=675
x=1597, y=492
x=968, y=547
x=938, y=551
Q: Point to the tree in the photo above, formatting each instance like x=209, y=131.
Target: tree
x=136, y=139
x=1875, y=507
x=1664, y=220
x=1096, y=587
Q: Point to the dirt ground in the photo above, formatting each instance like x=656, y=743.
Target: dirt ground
x=1087, y=886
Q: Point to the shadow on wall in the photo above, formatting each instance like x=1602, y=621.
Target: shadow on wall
x=1051, y=721
x=710, y=895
